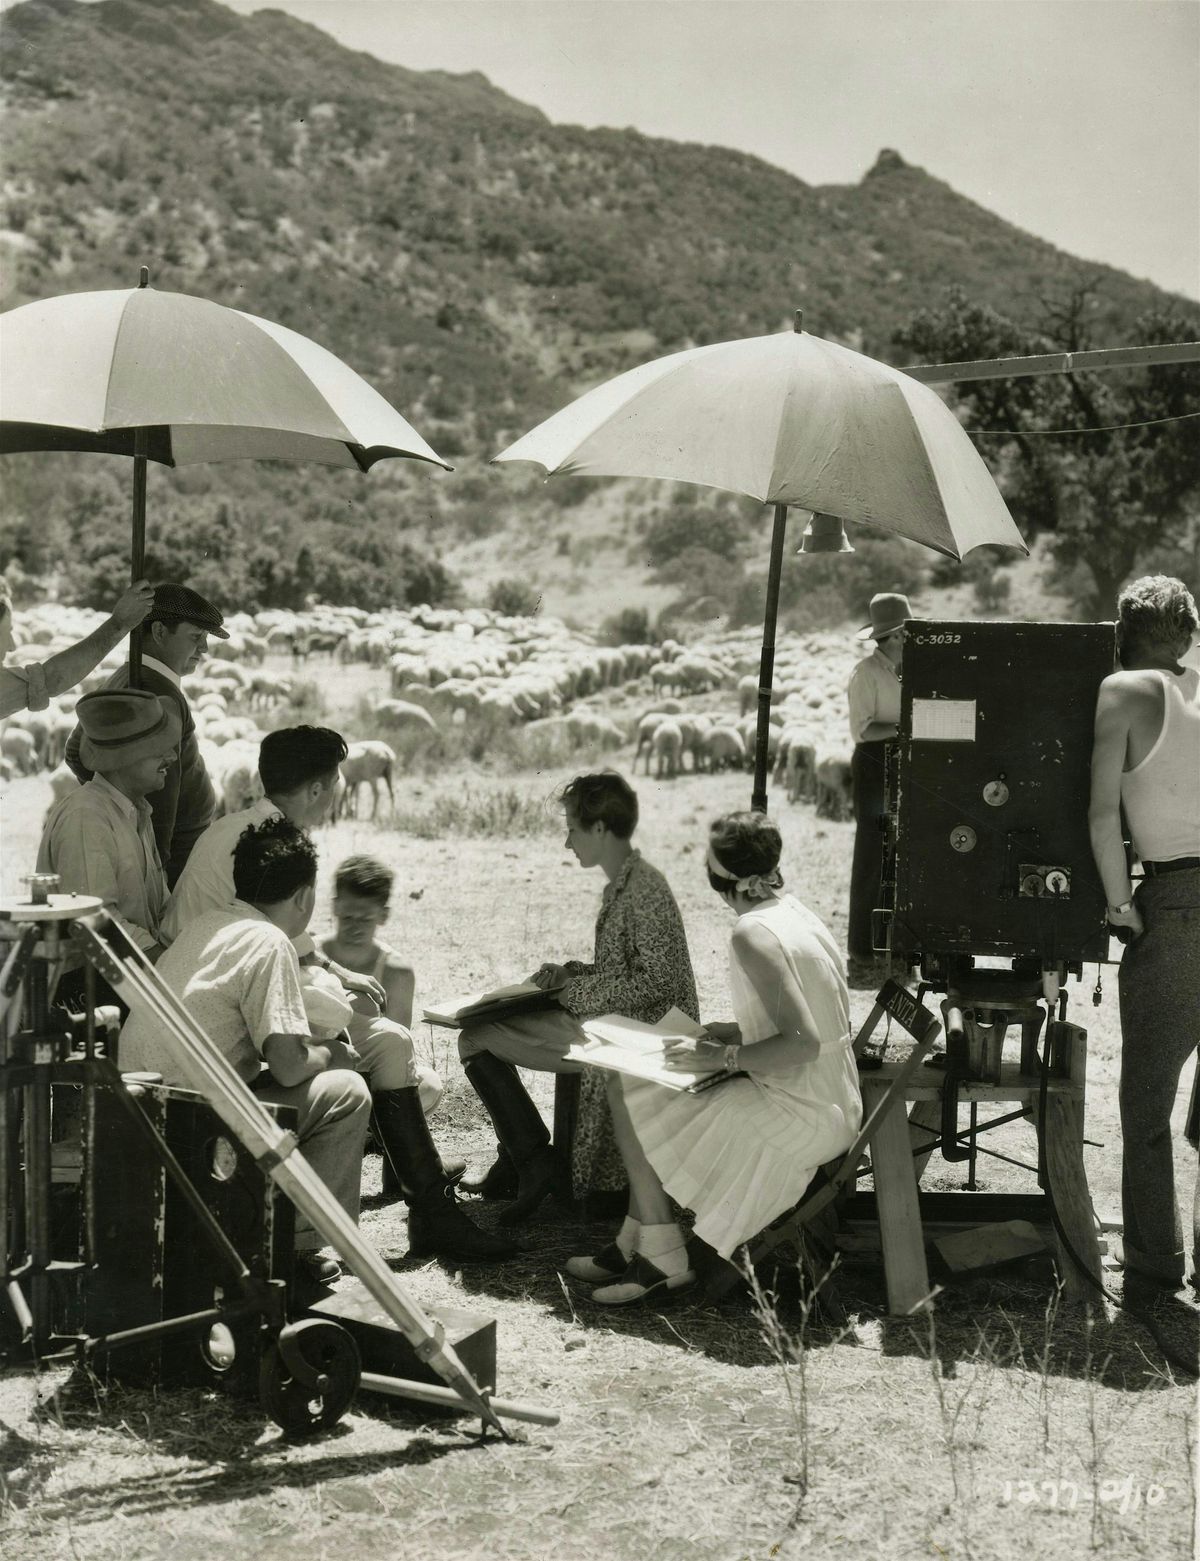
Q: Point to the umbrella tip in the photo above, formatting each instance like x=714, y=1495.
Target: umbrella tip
x=144, y=279
x=798, y=326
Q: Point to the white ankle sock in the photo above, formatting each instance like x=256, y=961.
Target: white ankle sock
x=665, y=1247
x=627, y=1237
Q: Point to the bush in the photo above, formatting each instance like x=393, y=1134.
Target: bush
x=506, y=813
x=630, y=626
x=515, y=598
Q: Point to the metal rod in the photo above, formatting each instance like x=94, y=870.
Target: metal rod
x=138, y=554
x=430, y=1393
x=766, y=669
x=148, y=1332
x=1055, y=363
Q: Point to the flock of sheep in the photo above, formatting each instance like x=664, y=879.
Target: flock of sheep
x=674, y=705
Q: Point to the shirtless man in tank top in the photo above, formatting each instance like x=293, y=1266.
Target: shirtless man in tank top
x=1146, y=759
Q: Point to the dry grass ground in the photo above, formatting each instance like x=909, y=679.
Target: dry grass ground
x=998, y=1428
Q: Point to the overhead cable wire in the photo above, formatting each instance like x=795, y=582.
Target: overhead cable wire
x=1105, y=428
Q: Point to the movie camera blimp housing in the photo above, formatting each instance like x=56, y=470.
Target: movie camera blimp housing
x=988, y=796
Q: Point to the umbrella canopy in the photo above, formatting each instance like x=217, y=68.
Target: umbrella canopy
x=171, y=378
x=86, y=371
x=787, y=419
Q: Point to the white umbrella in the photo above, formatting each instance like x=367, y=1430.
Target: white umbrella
x=171, y=378
x=786, y=419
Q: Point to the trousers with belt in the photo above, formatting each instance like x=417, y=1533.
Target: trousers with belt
x=1159, y=985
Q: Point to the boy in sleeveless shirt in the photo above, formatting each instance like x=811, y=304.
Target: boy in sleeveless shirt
x=1146, y=761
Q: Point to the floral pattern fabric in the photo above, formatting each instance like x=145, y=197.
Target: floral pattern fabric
x=641, y=968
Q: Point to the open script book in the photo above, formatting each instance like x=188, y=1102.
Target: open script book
x=629, y=1046
x=521, y=997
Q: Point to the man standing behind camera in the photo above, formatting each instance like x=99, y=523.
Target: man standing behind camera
x=1146, y=759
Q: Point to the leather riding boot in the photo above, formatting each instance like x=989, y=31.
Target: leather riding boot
x=521, y=1131
x=498, y=1181
x=390, y=1189
x=437, y=1225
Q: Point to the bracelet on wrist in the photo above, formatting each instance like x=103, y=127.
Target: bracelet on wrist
x=732, y=1053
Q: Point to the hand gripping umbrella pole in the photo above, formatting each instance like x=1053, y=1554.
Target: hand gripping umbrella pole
x=125, y=967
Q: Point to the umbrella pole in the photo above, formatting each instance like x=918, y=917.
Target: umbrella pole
x=138, y=567
x=766, y=669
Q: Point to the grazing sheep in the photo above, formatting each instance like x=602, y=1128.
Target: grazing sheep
x=747, y=693
x=62, y=781
x=723, y=748
x=800, y=771
x=241, y=784
x=399, y=714
x=369, y=762
x=20, y=749
x=834, y=791
x=667, y=745
x=646, y=728
x=38, y=724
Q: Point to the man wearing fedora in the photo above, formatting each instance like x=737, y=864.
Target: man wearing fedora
x=99, y=839
x=874, y=700
x=175, y=639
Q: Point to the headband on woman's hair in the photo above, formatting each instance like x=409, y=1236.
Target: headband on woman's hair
x=759, y=886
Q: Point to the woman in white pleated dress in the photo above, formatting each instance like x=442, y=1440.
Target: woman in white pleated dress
x=742, y=1153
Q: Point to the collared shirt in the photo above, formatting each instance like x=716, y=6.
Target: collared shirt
x=237, y=975
x=873, y=694
x=23, y=688
x=206, y=883
x=100, y=842
x=163, y=670
x=642, y=966
x=183, y=808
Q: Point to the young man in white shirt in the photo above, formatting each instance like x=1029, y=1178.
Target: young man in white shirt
x=236, y=972
x=299, y=770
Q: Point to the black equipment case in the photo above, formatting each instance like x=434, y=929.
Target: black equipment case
x=989, y=791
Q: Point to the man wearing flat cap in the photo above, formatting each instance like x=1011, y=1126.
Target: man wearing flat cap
x=175, y=639
x=874, y=700
x=99, y=839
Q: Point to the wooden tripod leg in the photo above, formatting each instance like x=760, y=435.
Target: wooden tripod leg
x=899, y=1213
x=925, y=1132
x=1063, y=1130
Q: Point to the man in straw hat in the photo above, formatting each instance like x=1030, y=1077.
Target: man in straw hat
x=874, y=699
x=176, y=638
x=99, y=839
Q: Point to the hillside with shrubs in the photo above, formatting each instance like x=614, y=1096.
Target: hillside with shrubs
x=480, y=266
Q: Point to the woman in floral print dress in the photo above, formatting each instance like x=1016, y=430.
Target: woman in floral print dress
x=641, y=967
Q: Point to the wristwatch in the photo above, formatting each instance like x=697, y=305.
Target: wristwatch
x=1121, y=910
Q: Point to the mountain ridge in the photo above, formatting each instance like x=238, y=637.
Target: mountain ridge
x=475, y=262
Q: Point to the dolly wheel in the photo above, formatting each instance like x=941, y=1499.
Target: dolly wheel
x=308, y=1376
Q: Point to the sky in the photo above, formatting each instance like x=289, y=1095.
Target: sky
x=1078, y=120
